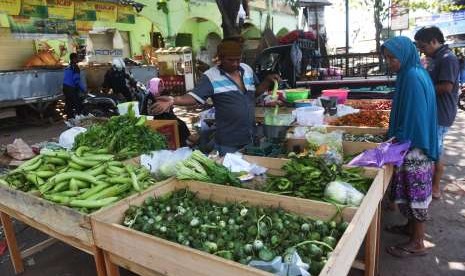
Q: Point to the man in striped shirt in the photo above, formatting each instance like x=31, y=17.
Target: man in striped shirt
x=232, y=86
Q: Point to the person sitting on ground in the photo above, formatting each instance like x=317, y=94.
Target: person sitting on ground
x=156, y=88
x=413, y=118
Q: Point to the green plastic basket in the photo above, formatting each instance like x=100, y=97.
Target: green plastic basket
x=296, y=94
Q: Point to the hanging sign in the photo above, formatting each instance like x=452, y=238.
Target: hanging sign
x=10, y=7
x=126, y=15
x=34, y=8
x=84, y=11
x=105, y=11
x=399, y=15
x=60, y=9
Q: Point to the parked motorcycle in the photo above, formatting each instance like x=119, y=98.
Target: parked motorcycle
x=106, y=105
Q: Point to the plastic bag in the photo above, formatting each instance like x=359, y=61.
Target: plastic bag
x=235, y=163
x=385, y=153
x=19, y=150
x=162, y=163
x=328, y=145
x=66, y=139
x=343, y=193
x=292, y=265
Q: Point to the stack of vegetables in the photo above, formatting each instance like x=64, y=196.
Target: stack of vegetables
x=368, y=138
x=307, y=177
x=125, y=136
x=370, y=104
x=85, y=180
x=366, y=118
x=235, y=231
x=200, y=167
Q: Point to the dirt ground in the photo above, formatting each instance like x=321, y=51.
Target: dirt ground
x=445, y=229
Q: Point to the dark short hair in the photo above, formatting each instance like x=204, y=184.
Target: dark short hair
x=72, y=56
x=427, y=34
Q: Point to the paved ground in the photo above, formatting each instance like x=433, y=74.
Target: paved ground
x=445, y=231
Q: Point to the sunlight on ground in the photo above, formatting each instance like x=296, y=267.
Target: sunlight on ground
x=456, y=266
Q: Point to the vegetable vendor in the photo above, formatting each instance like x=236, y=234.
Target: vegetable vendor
x=413, y=118
x=233, y=87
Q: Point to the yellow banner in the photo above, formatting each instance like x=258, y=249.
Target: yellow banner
x=61, y=9
x=105, y=11
x=84, y=11
x=84, y=26
x=126, y=15
x=10, y=7
x=34, y=8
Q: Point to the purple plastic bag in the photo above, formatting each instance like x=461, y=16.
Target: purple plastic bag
x=385, y=153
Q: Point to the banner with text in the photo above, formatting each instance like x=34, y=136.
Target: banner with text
x=34, y=8
x=126, y=15
x=105, y=11
x=10, y=7
x=60, y=9
x=84, y=11
x=33, y=25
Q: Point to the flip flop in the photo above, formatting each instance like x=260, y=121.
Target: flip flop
x=403, y=252
x=397, y=229
x=437, y=195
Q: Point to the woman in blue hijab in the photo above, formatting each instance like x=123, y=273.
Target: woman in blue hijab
x=413, y=118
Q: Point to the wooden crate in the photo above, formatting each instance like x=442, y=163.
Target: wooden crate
x=169, y=128
x=150, y=255
x=57, y=221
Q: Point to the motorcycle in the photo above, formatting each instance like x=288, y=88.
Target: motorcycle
x=461, y=101
x=106, y=105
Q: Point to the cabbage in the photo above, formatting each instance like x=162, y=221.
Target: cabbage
x=343, y=193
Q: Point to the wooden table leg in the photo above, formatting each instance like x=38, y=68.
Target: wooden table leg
x=99, y=262
x=15, y=254
x=112, y=269
x=378, y=238
x=371, y=246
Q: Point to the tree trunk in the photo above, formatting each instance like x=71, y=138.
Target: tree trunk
x=378, y=28
x=229, y=10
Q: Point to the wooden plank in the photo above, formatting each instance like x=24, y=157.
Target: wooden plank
x=112, y=269
x=99, y=262
x=358, y=130
x=49, y=230
x=38, y=247
x=68, y=223
x=131, y=266
x=344, y=254
x=371, y=246
x=10, y=237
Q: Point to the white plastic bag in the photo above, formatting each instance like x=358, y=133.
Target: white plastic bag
x=162, y=163
x=328, y=145
x=343, y=193
x=66, y=139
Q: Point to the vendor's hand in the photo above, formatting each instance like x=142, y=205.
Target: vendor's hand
x=163, y=104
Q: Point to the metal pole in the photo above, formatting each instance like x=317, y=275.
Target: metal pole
x=347, y=36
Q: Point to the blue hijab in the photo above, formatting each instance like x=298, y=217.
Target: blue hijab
x=413, y=114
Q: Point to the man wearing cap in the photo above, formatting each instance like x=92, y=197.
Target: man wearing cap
x=232, y=86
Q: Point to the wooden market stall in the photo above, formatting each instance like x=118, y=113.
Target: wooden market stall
x=148, y=255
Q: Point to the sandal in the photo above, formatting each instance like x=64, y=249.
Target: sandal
x=398, y=230
x=436, y=195
x=400, y=251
